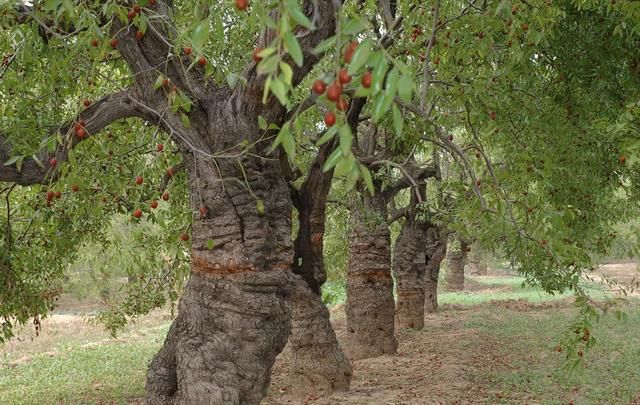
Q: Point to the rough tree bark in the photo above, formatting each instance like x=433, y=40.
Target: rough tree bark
x=436, y=249
x=409, y=273
x=477, y=261
x=369, y=306
x=456, y=261
x=320, y=367
x=234, y=315
x=420, y=248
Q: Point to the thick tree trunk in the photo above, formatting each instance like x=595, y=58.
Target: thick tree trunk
x=477, y=261
x=456, y=261
x=319, y=367
x=420, y=248
x=436, y=249
x=234, y=315
x=369, y=306
x=409, y=271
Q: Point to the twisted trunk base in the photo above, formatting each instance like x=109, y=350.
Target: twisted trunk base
x=234, y=316
x=222, y=346
x=320, y=367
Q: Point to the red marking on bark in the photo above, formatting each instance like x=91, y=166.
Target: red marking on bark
x=372, y=275
x=202, y=265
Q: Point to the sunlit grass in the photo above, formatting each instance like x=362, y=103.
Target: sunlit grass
x=612, y=367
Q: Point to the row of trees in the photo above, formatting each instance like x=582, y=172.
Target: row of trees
x=508, y=123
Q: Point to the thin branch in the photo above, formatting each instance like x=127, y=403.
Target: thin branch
x=427, y=57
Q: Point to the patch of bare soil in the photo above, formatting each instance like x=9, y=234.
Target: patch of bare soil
x=60, y=330
x=442, y=364
x=521, y=305
x=619, y=276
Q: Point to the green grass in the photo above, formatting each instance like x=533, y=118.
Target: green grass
x=511, y=289
x=469, y=299
x=612, y=368
x=112, y=371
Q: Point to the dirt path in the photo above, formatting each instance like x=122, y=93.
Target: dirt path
x=440, y=365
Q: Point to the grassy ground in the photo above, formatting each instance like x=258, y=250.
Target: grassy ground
x=612, y=368
x=72, y=362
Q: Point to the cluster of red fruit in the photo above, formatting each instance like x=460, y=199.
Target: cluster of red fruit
x=79, y=128
x=135, y=10
x=50, y=195
x=139, y=180
x=242, y=4
x=334, y=90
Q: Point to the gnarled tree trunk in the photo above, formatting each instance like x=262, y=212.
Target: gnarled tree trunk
x=420, y=248
x=409, y=272
x=234, y=316
x=435, y=250
x=369, y=306
x=319, y=367
x=456, y=260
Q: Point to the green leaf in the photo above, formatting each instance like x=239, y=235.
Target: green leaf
x=298, y=16
x=344, y=166
x=37, y=160
x=405, y=87
x=293, y=47
x=158, y=82
x=368, y=181
x=232, y=80
x=200, y=35
x=266, y=52
x=262, y=123
x=327, y=136
x=287, y=72
x=268, y=65
x=12, y=160
x=52, y=5
x=185, y=120
x=354, y=26
x=325, y=45
x=360, y=56
x=267, y=88
x=398, y=121
x=379, y=72
x=280, y=90
x=285, y=138
x=392, y=82
x=260, y=207
x=332, y=160
x=381, y=105
x=210, y=244
x=346, y=139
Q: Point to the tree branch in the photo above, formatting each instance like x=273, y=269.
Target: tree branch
x=324, y=14
x=96, y=117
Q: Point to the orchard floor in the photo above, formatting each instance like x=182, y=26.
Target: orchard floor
x=493, y=343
